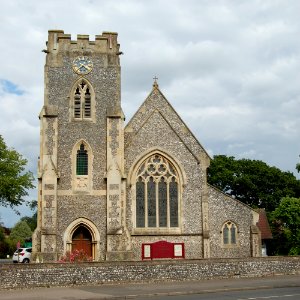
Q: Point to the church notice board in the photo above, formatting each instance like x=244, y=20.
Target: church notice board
x=162, y=249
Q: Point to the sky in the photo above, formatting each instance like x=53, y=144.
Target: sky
x=230, y=68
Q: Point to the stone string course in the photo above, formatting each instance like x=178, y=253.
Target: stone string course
x=57, y=274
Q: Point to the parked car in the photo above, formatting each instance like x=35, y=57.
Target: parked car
x=22, y=255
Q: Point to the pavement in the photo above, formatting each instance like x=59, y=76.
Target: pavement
x=153, y=289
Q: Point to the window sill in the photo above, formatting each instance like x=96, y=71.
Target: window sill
x=156, y=231
x=90, y=120
x=231, y=246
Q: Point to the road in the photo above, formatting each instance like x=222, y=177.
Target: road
x=292, y=293
x=273, y=288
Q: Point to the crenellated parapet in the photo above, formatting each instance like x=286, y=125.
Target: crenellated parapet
x=60, y=41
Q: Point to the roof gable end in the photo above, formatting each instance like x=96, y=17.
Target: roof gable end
x=156, y=101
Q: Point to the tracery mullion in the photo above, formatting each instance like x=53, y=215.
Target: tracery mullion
x=168, y=203
x=156, y=180
x=146, y=203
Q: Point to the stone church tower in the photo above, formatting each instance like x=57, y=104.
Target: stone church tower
x=124, y=193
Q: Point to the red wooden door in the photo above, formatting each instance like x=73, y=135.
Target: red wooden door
x=82, y=240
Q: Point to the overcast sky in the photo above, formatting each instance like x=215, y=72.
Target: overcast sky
x=230, y=69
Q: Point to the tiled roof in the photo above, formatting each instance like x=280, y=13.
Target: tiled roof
x=263, y=225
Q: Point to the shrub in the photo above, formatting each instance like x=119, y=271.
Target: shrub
x=75, y=256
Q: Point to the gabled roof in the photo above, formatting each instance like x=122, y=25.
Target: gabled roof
x=156, y=101
x=263, y=225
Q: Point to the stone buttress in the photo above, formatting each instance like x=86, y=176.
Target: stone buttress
x=118, y=238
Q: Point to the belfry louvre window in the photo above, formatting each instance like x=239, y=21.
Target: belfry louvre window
x=157, y=194
x=82, y=101
x=82, y=161
x=229, y=233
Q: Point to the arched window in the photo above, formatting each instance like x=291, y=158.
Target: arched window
x=229, y=232
x=82, y=100
x=82, y=167
x=157, y=195
x=82, y=161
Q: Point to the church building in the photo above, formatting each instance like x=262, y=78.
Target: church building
x=117, y=192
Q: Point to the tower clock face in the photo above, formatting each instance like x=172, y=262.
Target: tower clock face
x=82, y=65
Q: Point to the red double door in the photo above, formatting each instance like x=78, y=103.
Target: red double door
x=82, y=240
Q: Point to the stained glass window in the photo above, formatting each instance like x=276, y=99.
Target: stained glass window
x=140, y=203
x=151, y=193
x=173, y=203
x=157, y=196
x=163, y=203
x=82, y=161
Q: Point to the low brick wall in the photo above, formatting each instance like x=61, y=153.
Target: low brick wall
x=58, y=274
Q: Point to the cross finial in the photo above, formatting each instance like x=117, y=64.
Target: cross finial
x=155, y=84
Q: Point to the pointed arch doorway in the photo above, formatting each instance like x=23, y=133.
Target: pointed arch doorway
x=83, y=234
x=82, y=240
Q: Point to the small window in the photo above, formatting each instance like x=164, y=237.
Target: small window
x=229, y=232
x=82, y=161
x=82, y=167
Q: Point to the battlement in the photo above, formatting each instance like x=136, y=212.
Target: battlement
x=60, y=41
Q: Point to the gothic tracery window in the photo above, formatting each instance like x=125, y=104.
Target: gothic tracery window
x=229, y=232
x=157, y=194
x=82, y=101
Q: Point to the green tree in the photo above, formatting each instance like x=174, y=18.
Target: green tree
x=4, y=247
x=31, y=221
x=252, y=181
x=286, y=220
x=20, y=232
x=14, y=181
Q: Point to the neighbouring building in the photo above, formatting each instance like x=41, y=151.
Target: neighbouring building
x=265, y=230
x=124, y=192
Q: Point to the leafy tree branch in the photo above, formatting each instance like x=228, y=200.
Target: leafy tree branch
x=14, y=180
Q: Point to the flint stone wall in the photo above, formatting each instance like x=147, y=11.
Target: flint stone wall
x=57, y=274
